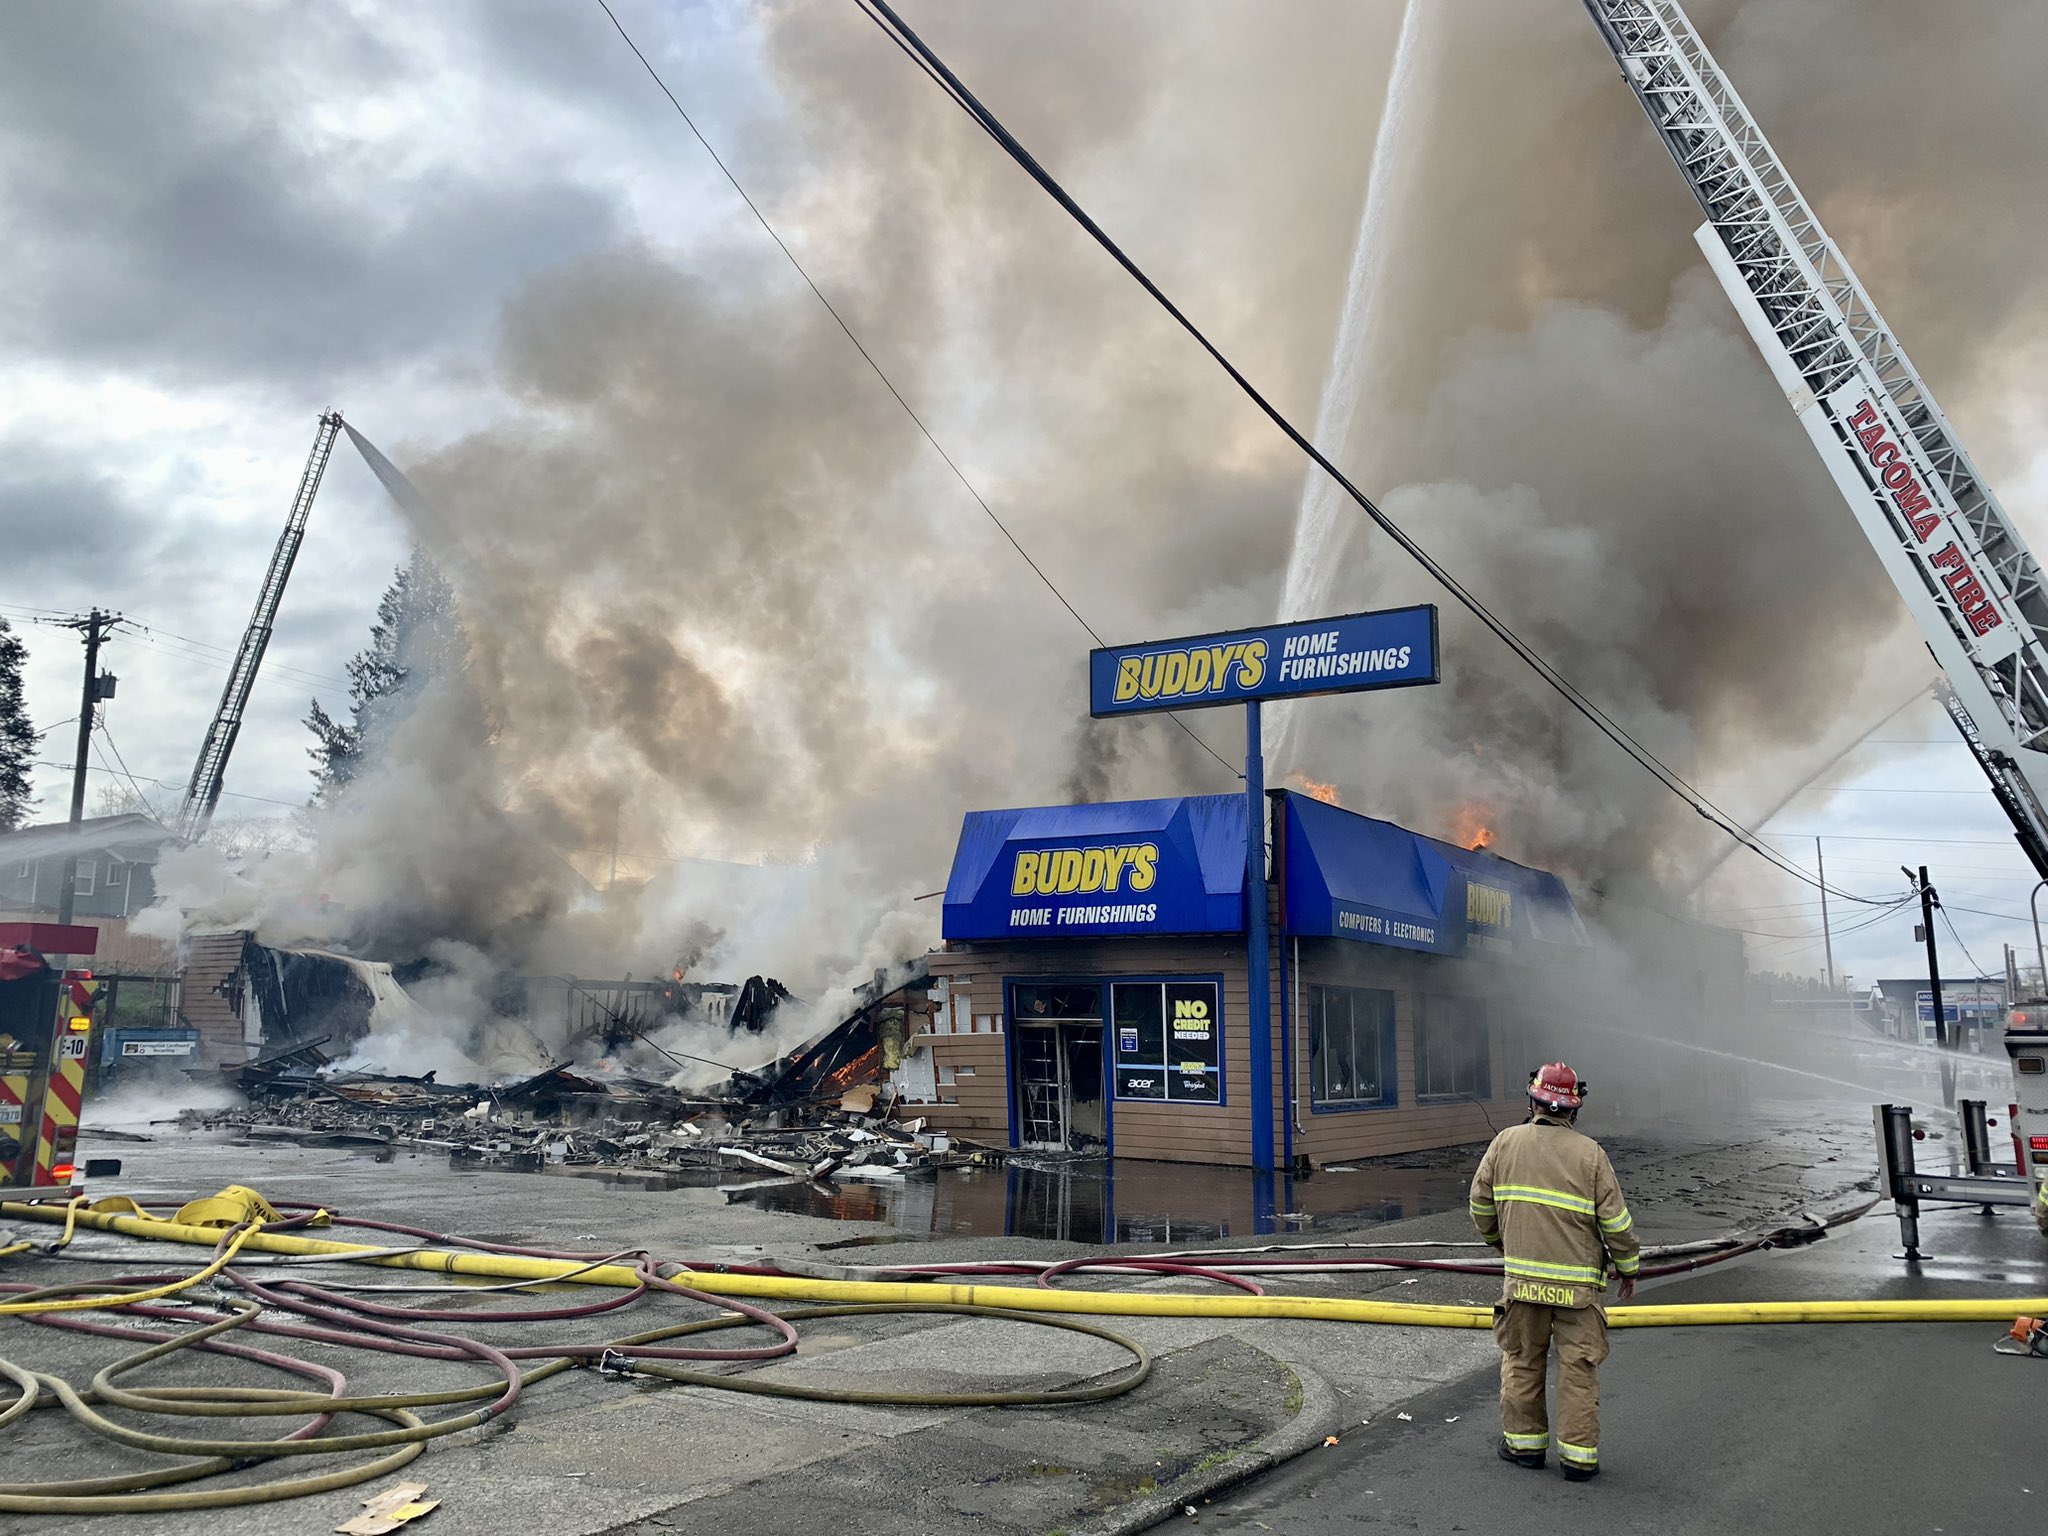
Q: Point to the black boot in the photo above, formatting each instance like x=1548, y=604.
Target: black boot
x=1530, y=1459
x=1574, y=1473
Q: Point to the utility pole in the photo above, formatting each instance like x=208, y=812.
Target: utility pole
x=1928, y=902
x=95, y=626
x=1827, y=936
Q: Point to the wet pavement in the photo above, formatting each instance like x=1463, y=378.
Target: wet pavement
x=584, y=1454
x=1826, y=1428
x=1101, y=1201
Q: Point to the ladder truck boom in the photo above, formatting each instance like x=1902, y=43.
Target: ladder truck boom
x=1966, y=576
x=202, y=794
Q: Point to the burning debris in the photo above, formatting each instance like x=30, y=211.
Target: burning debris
x=823, y=1110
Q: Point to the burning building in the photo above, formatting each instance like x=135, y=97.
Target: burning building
x=1095, y=995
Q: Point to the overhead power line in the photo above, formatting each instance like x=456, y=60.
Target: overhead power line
x=1949, y=923
x=935, y=69
x=869, y=358
x=293, y=805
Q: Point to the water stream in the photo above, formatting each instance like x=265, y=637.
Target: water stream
x=1343, y=420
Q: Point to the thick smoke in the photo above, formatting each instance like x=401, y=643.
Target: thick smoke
x=730, y=615
x=1564, y=410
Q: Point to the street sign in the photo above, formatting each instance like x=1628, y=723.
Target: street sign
x=1389, y=648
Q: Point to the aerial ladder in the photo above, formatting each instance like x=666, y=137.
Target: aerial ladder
x=202, y=793
x=1966, y=576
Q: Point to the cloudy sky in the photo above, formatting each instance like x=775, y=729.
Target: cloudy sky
x=477, y=229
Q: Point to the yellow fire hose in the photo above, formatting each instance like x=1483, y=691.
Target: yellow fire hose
x=101, y=1303
x=126, y=1221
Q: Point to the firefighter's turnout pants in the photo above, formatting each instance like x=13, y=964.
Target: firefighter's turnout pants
x=1525, y=1330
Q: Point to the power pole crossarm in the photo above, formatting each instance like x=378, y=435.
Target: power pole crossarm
x=202, y=793
x=1965, y=574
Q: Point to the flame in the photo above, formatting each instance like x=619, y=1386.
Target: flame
x=1327, y=793
x=1471, y=827
x=864, y=1068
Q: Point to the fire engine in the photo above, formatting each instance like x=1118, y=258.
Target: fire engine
x=46, y=1029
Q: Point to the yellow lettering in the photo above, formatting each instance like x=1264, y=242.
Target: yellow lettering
x=1091, y=869
x=1251, y=667
x=1198, y=671
x=1144, y=866
x=1190, y=1008
x=1148, y=677
x=1220, y=658
x=1488, y=906
x=1127, y=679
x=1173, y=674
x=1113, y=862
x=1025, y=872
x=1069, y=877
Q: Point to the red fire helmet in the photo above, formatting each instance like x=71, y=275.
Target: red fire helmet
x=1557, y=1086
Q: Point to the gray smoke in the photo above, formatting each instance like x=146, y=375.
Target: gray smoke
x=730, y=614
x=1566, y=413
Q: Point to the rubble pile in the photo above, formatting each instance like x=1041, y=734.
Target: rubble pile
x=570, y=1121
x=477, y=1128
x=823, y=1111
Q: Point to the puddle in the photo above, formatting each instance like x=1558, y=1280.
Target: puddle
x=1098, y=1201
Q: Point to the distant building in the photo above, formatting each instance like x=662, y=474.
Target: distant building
x=115, y=880
x=1974, y=1007
x=141, y=1023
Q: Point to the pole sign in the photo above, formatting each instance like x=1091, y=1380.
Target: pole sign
x=1960, y=1004
x=1390, y=648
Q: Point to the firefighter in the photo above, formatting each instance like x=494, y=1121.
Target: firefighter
x=1547, y=1198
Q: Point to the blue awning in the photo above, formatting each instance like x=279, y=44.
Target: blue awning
x=1351, y=877
x=1131, y=866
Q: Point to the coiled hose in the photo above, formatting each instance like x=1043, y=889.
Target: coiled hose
x=345, y=1316
x=361, y=1318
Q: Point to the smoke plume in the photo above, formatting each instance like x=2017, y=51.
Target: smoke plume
x=733, y=624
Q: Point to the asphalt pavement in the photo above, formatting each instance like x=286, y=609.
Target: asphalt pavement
x=1881, y=1427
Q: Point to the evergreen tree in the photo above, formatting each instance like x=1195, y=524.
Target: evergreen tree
x=17, y=737
x=417, y=638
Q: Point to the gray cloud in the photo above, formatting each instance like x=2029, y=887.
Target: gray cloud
x=176, y=206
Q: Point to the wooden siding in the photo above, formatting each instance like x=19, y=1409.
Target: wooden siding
x=1410, y=1125
x=210, y=959
x=1202, y=1133
x=1221, y=1134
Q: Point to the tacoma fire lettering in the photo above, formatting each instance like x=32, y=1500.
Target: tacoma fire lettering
x=1895, y=473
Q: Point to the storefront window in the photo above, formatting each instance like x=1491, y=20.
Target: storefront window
x=1169, y=1040
x=1451, y=1059
x=1351, y=1048
x=1058, y=1001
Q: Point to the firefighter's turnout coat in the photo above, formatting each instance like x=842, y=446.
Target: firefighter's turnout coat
x=1547, y=1198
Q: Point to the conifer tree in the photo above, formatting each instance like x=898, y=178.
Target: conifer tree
x=17, y=736
x=417, y=638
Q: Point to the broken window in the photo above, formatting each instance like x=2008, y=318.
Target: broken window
x=1451, y=1059
x=1057, y=1066
x=1351, y=1048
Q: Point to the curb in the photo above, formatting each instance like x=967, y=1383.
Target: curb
x=1316, y=1421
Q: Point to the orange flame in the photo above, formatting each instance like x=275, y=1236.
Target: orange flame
x=1327, y=793
x=1470, y=827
